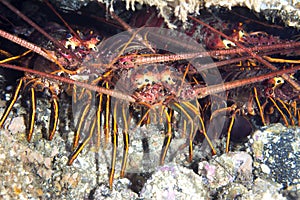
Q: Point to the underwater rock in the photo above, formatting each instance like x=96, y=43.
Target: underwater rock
x=227, y=168
x=276, y=151
x=174, y=182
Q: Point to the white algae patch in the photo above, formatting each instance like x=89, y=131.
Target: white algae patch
x=220, y=171
x=120, y=191
x=230, y=176
x=174, y=182
x=266, y=189
x=286, y=10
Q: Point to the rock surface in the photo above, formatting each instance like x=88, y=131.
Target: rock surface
x=276, y=153
x=40, y=171
x=287, y=11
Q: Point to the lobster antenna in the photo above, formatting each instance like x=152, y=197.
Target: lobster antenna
x=37, y=27
x=205, y=91
x=26, y=44
x=254, y=55
x=112, y=93
x=62, y=19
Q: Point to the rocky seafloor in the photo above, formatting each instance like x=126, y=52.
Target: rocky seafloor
x=267, y=168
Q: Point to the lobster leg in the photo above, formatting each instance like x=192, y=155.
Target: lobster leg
x=80, y=148
x=296, y=111
x=192, y=127
x=280, y=111
x=99, y=111
x=261, y=112
x=288, y=111
x=12, y=58
x=107, y=118
x=229, y=132
x=33, y=114
x=115, y=145
x=206, y=136
x=54, y=117
x=126, y=142
x=294, y=107
x=168, y=137
x=13, y=101
x=81, y=121
x=184, y=107
x=196, y=109
x=222, y=112
x=298, y=116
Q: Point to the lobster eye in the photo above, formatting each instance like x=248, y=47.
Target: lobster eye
x=69, y=36
x=278, y=81
x=98, y=38
x=95, y=49
x=228, y=44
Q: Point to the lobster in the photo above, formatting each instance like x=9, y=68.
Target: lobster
x=146, y=71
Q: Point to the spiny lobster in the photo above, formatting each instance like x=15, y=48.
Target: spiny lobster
x=147, y=70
